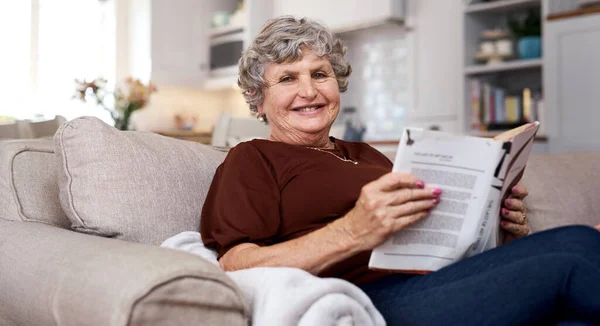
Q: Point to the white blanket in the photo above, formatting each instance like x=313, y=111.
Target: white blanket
x=291, y=296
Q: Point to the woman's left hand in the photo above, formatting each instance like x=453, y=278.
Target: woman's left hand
x=514, y=214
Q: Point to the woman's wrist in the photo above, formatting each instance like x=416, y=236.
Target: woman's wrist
x=342, y=236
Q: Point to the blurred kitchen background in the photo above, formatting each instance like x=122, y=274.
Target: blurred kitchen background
x=464, y=66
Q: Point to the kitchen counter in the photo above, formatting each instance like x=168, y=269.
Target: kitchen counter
x=203, y=137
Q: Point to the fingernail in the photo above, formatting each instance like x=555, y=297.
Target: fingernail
x=437, y=191
x=436, y=200
x=505, y=212
x=420, y=184
x=507, y=202
x=515, y=190
x=503, y=222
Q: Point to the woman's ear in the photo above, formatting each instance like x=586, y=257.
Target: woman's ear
x=260, y=110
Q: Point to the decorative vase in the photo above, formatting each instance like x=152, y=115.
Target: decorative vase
x=530, y=47
x=123, y=117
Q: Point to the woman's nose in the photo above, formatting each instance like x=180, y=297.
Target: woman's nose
x=306, y=89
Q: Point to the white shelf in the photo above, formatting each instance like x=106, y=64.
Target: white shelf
x=492, y=134
x=501, y=6
x=217, y=83
x=225, y=30
x=503, y=66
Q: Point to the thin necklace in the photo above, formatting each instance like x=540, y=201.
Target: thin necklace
x=345, y=159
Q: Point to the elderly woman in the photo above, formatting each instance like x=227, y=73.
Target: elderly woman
x=304, y=199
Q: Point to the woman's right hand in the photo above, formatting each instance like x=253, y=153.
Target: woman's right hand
x=386, y=206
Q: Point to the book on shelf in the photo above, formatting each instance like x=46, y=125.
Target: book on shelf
x=495, y=108
x=475, y=175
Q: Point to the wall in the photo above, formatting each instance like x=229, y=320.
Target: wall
x=408, y=76
x=206, y=106
x=380, y=86
x=133, y=59
x=437, y=67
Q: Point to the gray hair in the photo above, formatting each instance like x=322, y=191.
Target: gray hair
x=281, y=40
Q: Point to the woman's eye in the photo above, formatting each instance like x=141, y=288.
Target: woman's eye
x=320, y=75
x=285, y=79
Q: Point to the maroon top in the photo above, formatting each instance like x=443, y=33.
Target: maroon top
x=268, y=192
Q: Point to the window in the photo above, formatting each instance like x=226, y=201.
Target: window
x=50, y=43
x=15, y=59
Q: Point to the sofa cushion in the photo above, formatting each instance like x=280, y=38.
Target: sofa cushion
x=563, y=189
x=130, y=185
x=28, y=188
x=50, y=276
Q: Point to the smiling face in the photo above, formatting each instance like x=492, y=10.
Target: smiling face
x=301, y=100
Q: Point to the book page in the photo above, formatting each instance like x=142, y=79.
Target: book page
x=522, y=144
x=463, y=167
x=521, y=140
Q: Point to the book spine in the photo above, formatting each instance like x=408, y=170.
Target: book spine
x=519, y=110
x=492, y=108
x=475, y=104
x=499, y=106
x=486, y=103
x=510, y=109
x=527, y=105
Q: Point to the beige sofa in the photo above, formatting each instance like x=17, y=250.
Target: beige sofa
x=118, y=188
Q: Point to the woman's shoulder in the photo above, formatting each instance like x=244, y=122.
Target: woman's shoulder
x=256, y=149
x=254, y=146
x=243, y=150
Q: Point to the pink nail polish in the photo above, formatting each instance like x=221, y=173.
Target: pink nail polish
x=436, y=200
x=515, y=191
x=507, y=202
x=437, y=191
x=504, y=211
x=420, y=184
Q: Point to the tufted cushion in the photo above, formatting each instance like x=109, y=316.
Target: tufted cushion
x=131, y=185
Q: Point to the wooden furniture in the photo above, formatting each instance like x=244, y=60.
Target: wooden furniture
x=203, y=137
x=574, y=13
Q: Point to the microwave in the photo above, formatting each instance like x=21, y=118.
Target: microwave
x=225, y=52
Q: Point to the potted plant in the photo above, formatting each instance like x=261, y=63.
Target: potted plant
x=527, y=31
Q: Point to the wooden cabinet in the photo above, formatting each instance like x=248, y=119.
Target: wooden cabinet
x=571, y=82
x=179, y=48
x=342, y=15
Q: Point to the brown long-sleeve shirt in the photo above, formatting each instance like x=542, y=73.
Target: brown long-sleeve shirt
x=269, y=192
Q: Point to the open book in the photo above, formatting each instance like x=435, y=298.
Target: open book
x=475, y=174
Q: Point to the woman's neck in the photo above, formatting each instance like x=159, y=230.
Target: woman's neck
x=320, y=140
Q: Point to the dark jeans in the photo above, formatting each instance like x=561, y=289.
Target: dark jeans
x=551, y=277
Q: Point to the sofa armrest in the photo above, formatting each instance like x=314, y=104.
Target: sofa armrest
x=51, y=276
